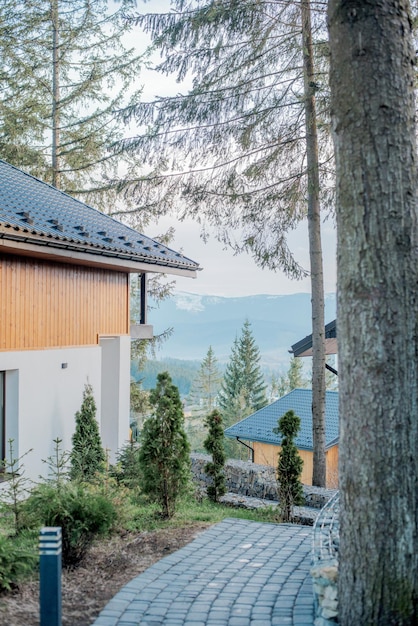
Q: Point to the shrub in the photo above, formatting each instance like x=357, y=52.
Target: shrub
x=289, y=466
x=127, y=468
x=164, y=452
x=18, y=558
x=214, y=444
x=87, y=455
x=16, y=487
x=80, y=510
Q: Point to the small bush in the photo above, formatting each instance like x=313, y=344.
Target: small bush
x=290, y=464
x=214, y=444
x=80, y=511
x=16, y=487
x=18, y=558
x=127, y=468
x=164, y=449
x=87, y=455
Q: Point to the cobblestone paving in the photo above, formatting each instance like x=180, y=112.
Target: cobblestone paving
x=237, y=573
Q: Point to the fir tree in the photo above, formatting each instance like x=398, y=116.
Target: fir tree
x=206, y=385
x=243, y=389
x=289, y=467
x=202, y=399
x=247, y=151
x=214, y=444
x=164, y=453
x=16, y=488
x=293, y=379
x=377, y=309
x=65, y=72
x=87, y=454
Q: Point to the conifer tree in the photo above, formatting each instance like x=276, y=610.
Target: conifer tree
x=164, y=453
x=293, y=379
x=202, y=398
x=243, y=389
x=206, y=384
x=289, y=467
x=247, y=150
x=214, y=444
x=65, y=72
x=87, y=454
x=374, y=120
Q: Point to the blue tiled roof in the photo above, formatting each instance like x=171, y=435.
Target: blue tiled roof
x=33, y=210
x=259, y=426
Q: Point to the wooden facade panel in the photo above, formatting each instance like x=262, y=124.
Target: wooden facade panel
x=46, y=305
x=332, y=467
x=266, y=454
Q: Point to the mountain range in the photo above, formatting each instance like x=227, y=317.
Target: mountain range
x=200, y=321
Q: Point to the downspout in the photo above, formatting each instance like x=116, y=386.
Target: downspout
x=249, y=447
x=143, y=301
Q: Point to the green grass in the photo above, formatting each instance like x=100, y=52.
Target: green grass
x=19, y=552
x=143, y=515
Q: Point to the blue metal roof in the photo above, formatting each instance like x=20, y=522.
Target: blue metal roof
x=259, y=426
x=33, y=210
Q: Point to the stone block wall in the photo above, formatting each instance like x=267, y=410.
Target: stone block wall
x=255, y=481
x=324, y=570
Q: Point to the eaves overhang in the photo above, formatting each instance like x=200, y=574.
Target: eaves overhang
x=277, y=442
x=304, y=346
x=34, y=213
x=16, y=242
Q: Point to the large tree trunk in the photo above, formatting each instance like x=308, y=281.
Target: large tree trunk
x=372, y=86
x=315, y=254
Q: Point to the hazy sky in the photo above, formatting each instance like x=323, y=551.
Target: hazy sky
x=223, y=273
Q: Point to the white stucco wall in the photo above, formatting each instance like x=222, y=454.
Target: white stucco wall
x=42, y=398
x=115, y=392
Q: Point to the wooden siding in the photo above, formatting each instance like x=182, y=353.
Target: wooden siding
x=266, y=454
x=332, y=467
x=44, y=305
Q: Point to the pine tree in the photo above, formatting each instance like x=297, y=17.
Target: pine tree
x=205, y=386
x=375, y=137
x=243, y=389
x=247, y=151
x=65, y=72
x=289, y=467
x=202, y=399
x=293, y=379
x=164, y=452
x=87, y=454
x=214, y=444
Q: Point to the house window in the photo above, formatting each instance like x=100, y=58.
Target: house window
x=2, y=418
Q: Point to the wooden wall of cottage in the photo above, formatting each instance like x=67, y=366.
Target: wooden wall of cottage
x=266, y=454
x=46, y=304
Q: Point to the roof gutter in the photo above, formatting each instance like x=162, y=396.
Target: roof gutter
x=95, y=258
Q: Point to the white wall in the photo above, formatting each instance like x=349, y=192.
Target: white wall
x=115, y=392
x=42, y=397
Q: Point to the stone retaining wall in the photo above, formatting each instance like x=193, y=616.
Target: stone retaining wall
x=255, y=481
x=324, y=570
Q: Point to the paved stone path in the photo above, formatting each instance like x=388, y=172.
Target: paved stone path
x=237, y=573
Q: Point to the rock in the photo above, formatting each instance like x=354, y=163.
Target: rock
x=329, y=613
